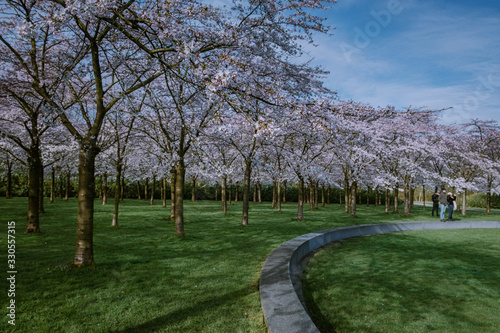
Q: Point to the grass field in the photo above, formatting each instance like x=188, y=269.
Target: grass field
x=420, y=281
x=148, y=280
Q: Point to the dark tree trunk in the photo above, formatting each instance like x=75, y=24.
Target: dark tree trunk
x=122, y=188
x=84, y=251
x=328, y=192
x=230, y=192
x=146, y=188
x=193, y=189
x=223, y=194
x=8, y=185
x=464, y=202
x=116, y=203
x=284, y=190
x=61, y=184
x=164, y=191
x=396, y=198
x=254, y=193
x=41, y=207
x=300, y=209
x=179, y=199
x=346, y=195
x=259, y=193
x=387, y=203
x=105, y=188
x=316, y=190
x=52, y=185
x=423, y=196
x=138, y=190
x=278, y=196
x=311, y=195
x=173, y=173
x=33, y=217
x=153, y=188
x=246, y=191
x=354, y=187
x=323, y=195
x=407, y=200
x=236, y=192
x=274, y=196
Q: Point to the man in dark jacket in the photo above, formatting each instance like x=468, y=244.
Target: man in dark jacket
x=443, y=202
x=435, y=203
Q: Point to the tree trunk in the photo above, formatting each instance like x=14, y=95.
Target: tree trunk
x=179, y=199
x=193, y=189
x=423, y=197
x=368, y=196
x=387, y=203
x=52, y=185
x=488, y=200
x=41, y=207
x=412, y=196
x=84, y=251
x=105, y=189
x=246, y=191
x=300, y=209
x=100, y=187
x=328, y=192
x=236, y=192
x=284, y=190
x=407, y=199
x=33, y=217
x=311, y=195
x=230, y=192
x=254, y=193
x=61, y=184
x=346, y=195
x=138, y=190
x=122, y=188
x=377, y=194
x=278, y=196
x=173, y=173
x=8, y=187
x=259, y=193
x=153, y=188
x=146, y=188
x=464, y=202
x=216, y=192
x=354, y=187
x=396, y=197
x=316, y=190
x=164, y=190
x=223, y=194
x=322, y=195
x=274, y=196
x=116, y=203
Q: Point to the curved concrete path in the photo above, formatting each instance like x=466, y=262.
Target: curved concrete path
x=280, y=288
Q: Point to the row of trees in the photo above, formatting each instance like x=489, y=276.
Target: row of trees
x=185, y=90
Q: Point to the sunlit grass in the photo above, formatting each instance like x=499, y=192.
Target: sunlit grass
x=147, y=279
x=420, y=281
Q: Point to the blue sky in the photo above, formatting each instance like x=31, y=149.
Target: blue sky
x=433, y=54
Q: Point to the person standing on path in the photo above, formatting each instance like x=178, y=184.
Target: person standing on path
x=451, y=205
x=435, y=203
x=443, y=202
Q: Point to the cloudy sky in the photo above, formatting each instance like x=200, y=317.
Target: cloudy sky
x=421, y=53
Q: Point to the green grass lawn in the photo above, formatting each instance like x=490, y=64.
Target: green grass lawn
x=148, y=280
x=420, y=281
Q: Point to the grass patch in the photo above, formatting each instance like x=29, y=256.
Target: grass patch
x=419, y=281
x=148, y=280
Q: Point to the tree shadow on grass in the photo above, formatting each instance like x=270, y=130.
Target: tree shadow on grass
x=178, y=316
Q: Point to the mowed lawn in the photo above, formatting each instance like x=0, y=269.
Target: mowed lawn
x=419, y=281
x=148, y=280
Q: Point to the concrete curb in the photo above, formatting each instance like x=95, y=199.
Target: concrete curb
x=280, y=290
